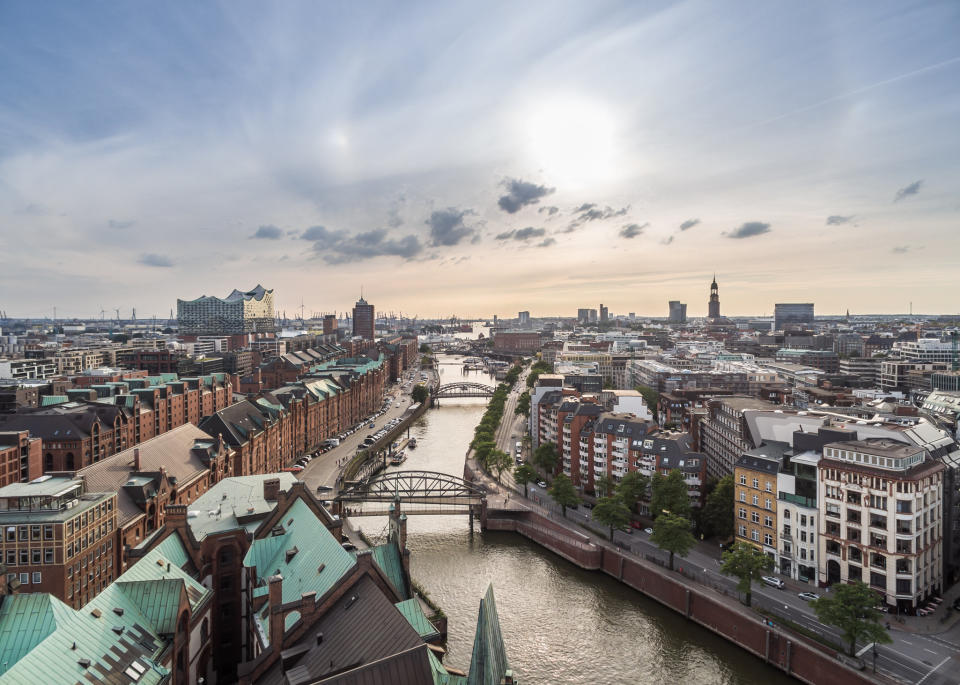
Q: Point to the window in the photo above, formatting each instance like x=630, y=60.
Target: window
x=24, y=578
x=34, y=532
x=803, y=519
x=742, y=513
x=768, y=539
x=48, y=532
x=768, y=504
x=48, y=556
x=742, y=531
x=35, y=556
x=22, y=533
x=803, y=536
x=743, y=479
x=755, y=517
x=755, y=534
x=756, y=483
x=769, y=487
x=37, y=578
x=756, y=500
x=743, y=497
x=11, y=533
x=768, y=522
x=786, y=514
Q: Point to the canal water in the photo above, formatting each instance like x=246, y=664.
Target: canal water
x=562, y=625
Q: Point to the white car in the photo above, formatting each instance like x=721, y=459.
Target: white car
x=541, y=483
x=773, y=582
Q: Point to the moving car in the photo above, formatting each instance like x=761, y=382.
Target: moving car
x=542, y=483
x=648, y=531
x=808, y=596
x=773, y=582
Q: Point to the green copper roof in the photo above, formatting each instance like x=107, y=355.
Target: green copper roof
x=440, y=675
x=26, y=621
x=157, y=600
x=411, y=611
x=489, y=661
x=387, y=557
x=314, y=548
x=172, y=549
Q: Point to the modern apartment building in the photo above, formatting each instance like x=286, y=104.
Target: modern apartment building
x=239, y=312
x=678, y=312
x=724, y=435
x=28, y=369
x=881, y=519
x=58, y=538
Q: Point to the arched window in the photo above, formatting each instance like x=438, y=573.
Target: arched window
x=70, y=462
x=48, y=462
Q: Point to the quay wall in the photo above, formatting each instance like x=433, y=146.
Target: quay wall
x=805, y=660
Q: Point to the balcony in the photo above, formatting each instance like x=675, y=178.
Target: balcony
x=809, y=502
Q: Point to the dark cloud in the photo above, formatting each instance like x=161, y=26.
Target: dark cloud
x=547, y=242
x=901, y=249
x=322, y=234
x=749, y=229
x=506, y=235
x=906, y=191
x=520, y=194
x=267, y=233
x=447, y=226
x=688, y=224
x=632, y=230
x=339, y=247
x=667, y=240
x=120, y=225
x=155, y=260
x=836, y=219
x=592, y=212
x=550, y=211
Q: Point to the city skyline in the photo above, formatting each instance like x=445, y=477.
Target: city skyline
x=452, y=162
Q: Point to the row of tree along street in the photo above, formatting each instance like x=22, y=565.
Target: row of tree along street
x=484, y=443
x=850, y=607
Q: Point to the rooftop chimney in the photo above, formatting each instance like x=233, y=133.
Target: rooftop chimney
x=136, y=458
x=271, y=489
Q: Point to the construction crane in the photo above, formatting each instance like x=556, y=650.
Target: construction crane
x=955, y=365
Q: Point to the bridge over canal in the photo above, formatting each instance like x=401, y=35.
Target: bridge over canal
x=453, y=390
x=420, y=492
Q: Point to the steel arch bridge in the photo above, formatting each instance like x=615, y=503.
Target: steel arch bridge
x=437, y=490
x=463, y=390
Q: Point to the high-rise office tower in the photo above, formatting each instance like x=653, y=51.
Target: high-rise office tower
x=363, y=317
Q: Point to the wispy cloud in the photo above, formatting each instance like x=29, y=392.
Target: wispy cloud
x=267, y=233
x=520, y=194
x=523, y=234
x=152, y=259
x=633, y=230
x=589, y=211
x=907, y=191
x=837, y=220
x=547, y=242
x=549, y=211
x=901, y=249
x=120, y=225
x=688, y=224
x=749, y=230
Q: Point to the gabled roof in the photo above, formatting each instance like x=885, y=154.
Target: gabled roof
x=489, y=662
x=410, y=608
x=298, y=554
x=235, y=503
x=172, y=450
x=25, y=621
x=387, y=557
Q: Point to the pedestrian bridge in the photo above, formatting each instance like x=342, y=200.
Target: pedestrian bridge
x=463, y=390
x=420, y=492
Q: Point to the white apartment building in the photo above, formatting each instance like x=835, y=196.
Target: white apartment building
x=797, y=517
x=880, y=519
x=28, y=369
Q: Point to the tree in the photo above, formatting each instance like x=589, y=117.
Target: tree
x=851, y=608
x=747, y=563
x=669, y=494
x=546, y=457
x=633, y=488
x=563, y=492
x=611, y=511
x=420, y=393
x=718, y=512
x=499, y=461
x=483, y=449
x=604, y=486
x=425, y=348
x=650, y=396
x=523, y=404
x=671, y=533
x=523, y=474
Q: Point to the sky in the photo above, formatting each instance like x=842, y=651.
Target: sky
x=480, y=158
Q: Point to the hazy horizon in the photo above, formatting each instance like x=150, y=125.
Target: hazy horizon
x=451, y=157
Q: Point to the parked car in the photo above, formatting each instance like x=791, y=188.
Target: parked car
x=349, y=546
x=808, y=596
x=323, y=488
x=773, y=581
x=648, y=531
x=542, y=483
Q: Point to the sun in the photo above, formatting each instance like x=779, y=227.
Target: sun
x=573, y=140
